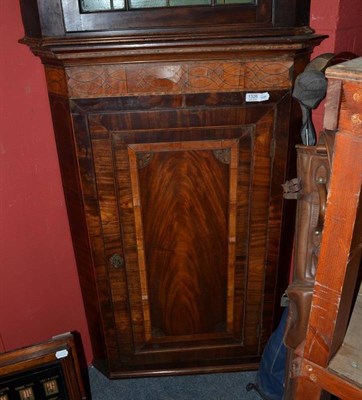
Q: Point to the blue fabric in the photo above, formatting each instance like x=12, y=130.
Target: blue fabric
x=270, y=376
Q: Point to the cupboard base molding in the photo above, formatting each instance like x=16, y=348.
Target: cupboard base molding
x=251, y=364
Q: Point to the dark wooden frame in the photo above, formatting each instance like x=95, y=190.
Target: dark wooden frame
x=43, y=354
x=165, y=18
x=55, y=18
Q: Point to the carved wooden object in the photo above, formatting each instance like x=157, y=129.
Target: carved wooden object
x=313, y=168
x=340, y=255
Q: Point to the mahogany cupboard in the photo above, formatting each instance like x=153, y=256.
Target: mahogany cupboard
x=174, y=126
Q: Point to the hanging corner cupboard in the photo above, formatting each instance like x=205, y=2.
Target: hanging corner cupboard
x=175, y=129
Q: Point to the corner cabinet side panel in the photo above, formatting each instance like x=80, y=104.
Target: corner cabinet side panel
x=72, y=186
x=276, y=249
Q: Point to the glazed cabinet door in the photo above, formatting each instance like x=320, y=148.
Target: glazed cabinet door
x=186, y=216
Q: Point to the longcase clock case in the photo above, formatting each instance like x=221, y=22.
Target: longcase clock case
x=172, y=176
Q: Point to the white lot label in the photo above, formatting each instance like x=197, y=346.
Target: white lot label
x=61, y=354
x=257, y=97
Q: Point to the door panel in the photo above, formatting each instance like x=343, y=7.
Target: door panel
x=189, y=209
x=185, y=195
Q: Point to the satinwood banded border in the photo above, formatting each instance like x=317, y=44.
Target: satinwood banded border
x=133, y=151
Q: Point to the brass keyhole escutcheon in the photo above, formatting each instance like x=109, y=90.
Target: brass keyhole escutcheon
x=117, y=261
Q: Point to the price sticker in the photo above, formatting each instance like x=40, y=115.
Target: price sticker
x=257, y=97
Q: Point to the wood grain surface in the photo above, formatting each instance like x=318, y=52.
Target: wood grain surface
x=194, y=273
x=178, y=77
x=172, y=178
x=184, y=201
x=337, y=276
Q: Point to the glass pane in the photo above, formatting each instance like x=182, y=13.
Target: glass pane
x=92, y=5
x=235, y=1
x=109, y=5
x=147, y=3
x=188, y=2
x=118, y=4
x=101, y=5
x=166, y=3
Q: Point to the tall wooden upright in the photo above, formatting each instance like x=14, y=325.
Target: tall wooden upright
x=330, y=359
x=175, y=128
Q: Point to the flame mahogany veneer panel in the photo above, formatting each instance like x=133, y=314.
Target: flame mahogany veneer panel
x=184, y=201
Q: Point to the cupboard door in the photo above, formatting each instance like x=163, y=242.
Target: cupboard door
x=184, y=199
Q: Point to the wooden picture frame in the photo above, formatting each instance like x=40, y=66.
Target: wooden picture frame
x=48, y=370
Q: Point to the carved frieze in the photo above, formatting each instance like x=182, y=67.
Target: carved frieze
x=181, y=77
x=97, y=81
x=267, y=75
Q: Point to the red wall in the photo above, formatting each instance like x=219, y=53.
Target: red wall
x=349, y=28
x=39, y=290
x=341, y=21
